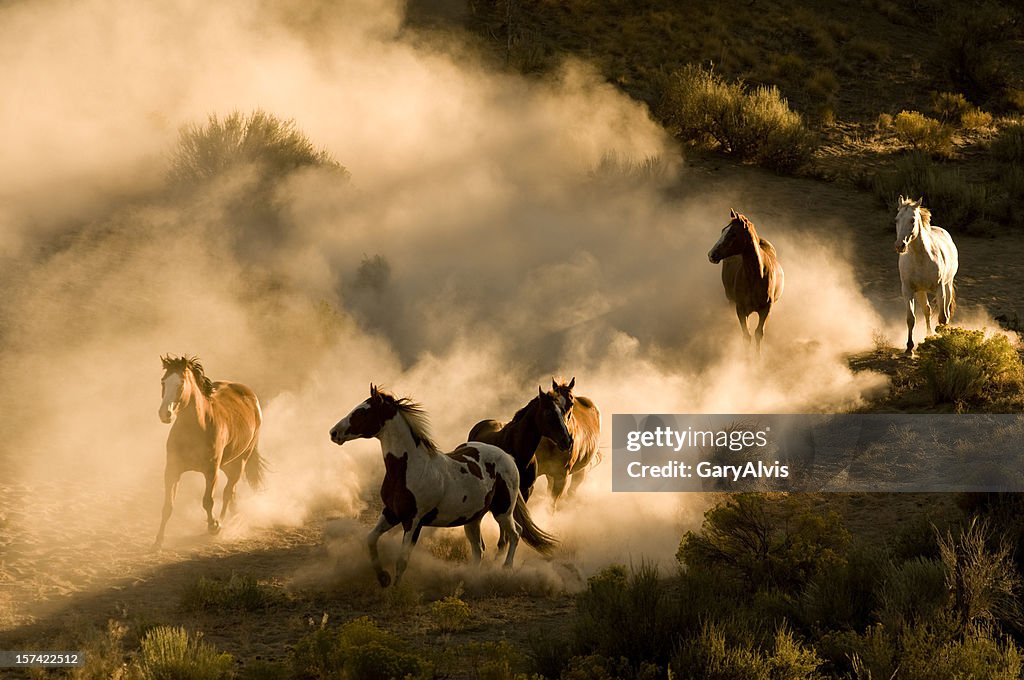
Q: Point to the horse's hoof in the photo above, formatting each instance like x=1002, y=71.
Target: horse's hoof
x=213, y=529
x=384, y=579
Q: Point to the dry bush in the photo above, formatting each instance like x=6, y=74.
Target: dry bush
x=976, y=119
x=1009, y=145
x=955, y=202
x=981, y=577
x=924, y=133
x=949, y=106
x=961, y=366
x=170, y=653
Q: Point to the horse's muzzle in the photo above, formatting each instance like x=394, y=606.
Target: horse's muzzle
x=713, y=258
x=166, y=416
x=337, y=437
x=901, y=247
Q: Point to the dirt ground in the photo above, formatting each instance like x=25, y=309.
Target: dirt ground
x=57, y=580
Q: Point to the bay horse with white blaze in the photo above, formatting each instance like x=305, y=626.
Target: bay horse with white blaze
x=751, y=273
x=216, y=427
x=928, y=263
x=541, y=417
x=426, y=488
x=583, y=420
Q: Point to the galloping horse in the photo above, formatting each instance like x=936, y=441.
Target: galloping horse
x=751, y=273
x=928, y=263
x=541, y=417
x=426, y=488
x=583, y=420
x=216, y=427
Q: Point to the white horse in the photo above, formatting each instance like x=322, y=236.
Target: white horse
x=426, y=488
x=928, y=263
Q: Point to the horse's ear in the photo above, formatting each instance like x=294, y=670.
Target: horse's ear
x=920, y=202
x=572, y=383
x=901, y=199
x=554, y=385
x=540, y=391
x=374, y=394
x=733, y=214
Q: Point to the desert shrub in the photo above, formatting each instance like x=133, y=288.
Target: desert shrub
x=1009, y=145
x=358, y=650
x=755, y=125
x=960, y=365
x=239, y=591
x=972, y=48
x=924, y=133
x=712, y=656
x=884, y=121
x=450, y=615
x=976, y=119
x=626, y=613
x=950, y=106
x=493, y=661
x=981, y=576
x=274, y=146
x=912, y=592
x=955, y=201
x=822, y=83
x=844, y=597
x=597, y=667
x=765, y=541
x=170, y=653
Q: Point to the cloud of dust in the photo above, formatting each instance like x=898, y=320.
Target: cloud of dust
x=496, y=231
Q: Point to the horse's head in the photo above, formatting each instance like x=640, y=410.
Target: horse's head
x=908, y=223
x=563, y=393
x=172, y=387
x=551, y=420
x=734, y=236
x=365, y=420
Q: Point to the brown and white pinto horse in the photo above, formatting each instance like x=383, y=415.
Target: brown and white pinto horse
x=426, y=488
x=751, y=273
x=216, y=427
x=583, y=420
x=541, y=417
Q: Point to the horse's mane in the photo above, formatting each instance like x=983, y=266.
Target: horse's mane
x=522, y=412
x=415, y=417
x=926, y=216
x=193, y=364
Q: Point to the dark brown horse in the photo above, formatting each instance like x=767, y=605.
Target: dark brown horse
x=751, y=272
x=583, y=420
x=542, y=417
x=216, y=427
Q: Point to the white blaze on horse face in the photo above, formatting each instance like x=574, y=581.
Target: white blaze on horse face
x=341, y=433
x=172, y=384
x=906, y=227
x=718, y=244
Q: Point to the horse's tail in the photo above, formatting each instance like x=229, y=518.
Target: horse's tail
x=256, y=470
x=535, y=537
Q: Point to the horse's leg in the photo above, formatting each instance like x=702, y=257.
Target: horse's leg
x=234, y=472
x=556, y=484
x=577, y=479
x=528, y=478
x=762, y=319
x=409, y=541
x=383, y=526
x=171, y=478
x=743, y=324
x=945, y=313
x=922, y=302
x=476, y=543
x=910, y=321
x=212, y=525
x=511, y=530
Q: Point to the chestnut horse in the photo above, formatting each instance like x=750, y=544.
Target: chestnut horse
x=426, y=488
x=583, y=420
x=751, y=272
x=216, y=427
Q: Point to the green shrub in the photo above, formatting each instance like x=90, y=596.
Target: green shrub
x=1009, y=145
x=450, y=615
x=359, y=650
x=274, y=146
x=924, y=133
x=955, y=200
x=912, y=592
x=170, y=653
x=766, y=541
x=981, y=576
x=976, y=119
x=754, y=125
x=493, y=660
x=961, y=366
x=844, y=597
x=950, y=106
x=626, y=614
x=239, y=591
x=711, y=656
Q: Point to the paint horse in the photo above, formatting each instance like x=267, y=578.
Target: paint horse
x=541, y=417
x=215, y=427
x=426, y=488
x=928, y=263
x=751, y=273
x=583, y=421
